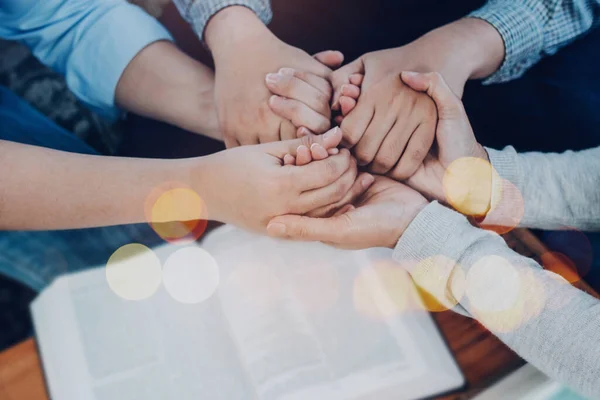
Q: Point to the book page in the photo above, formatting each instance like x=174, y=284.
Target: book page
x=152, y=349
x=293, y=312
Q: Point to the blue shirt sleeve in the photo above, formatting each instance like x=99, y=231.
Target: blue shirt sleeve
x=90, y=42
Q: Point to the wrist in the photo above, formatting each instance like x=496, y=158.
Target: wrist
x=469, y=48
x=232, y=25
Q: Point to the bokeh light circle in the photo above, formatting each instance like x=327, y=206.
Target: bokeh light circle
x=560, y=264
x=467, y=185
x=176, y=213
x=440, y=282
x=191, y=275
x=255, y=284
x=507, y=212
x=134, y=272
x=383, y=290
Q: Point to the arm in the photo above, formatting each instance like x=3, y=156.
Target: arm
x=558, y=190
x=542, y=318
x=199, y=12
x=43, y=189
x=113, y=53
x=533, y=29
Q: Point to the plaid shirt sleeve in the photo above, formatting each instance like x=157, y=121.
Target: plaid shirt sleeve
x=533, y=29
x=199, y=12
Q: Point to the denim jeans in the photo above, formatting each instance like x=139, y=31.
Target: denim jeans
x=36, y=258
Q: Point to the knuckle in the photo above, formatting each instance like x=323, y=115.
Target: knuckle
x=331, y=168
x=351, y=133
x=363, y=156
x=384, y=161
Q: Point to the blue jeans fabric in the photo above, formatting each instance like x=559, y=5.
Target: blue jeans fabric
x=36, y=258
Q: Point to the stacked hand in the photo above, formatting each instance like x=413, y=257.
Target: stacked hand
x=379, y=217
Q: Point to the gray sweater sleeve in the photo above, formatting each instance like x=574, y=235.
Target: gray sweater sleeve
x=558, y=190
x=548, y=322
x=199, y=12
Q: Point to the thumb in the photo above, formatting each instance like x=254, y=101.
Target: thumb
x=449, y=106
x=330, y=58
x=328, y=140
x=309, y=229
x=342, y=76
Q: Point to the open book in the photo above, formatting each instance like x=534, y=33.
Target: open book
x=288, y=321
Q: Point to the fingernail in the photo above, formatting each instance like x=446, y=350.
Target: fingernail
x=287, y=71
x=303, y=132
x=410, y=74
x=367, y=181
x=301, y=147
x=272, y=79
x=276, y=229
x=331, y=133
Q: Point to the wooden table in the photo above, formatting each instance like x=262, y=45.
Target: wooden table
x=482, y=358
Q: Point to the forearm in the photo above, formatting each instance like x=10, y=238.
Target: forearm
x=43, y=189
x=545, y=320
x=557, y=190
x=163, y=83
x=465, y=49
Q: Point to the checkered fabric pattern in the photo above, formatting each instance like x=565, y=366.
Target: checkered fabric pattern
x=199, y=12
x=533, y=29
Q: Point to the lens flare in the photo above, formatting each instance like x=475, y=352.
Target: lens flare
x=176, y=213
x=507, y=212
x=561, y=265
x=383, y=290
x=134, y=272
x=502, y=296
x=467, y=185
x=191, y=275
x=440, y=282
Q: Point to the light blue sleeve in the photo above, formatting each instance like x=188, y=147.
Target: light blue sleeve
x=90, y=42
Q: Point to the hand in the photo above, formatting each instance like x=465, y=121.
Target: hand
x=392, y=127
x=470, y=191
x=235, y=183
x=303, y=98
x=316, y=152
x=381, y=216
x=245, y=51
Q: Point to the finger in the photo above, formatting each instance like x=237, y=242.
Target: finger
x=302, y=228
x=391, y=149
x=347, y=104
x=231, y=142
x=357, y=79
x=299, y=114
x=360, y=186
x=350, y=91
x=329, y=140
x=289, y=159
x=342, y=76
x=318, y=152
x=321, y=84
x=331, y=58
x=287, y=130
x=303, y=155
x=344, y=210
x=339, y=119
x=356, y=123
x=288, y=86
x=448, y=104
x=319, y=174
x=417, y=149
x=370, y=143
x=328, y=195
x=333, y=151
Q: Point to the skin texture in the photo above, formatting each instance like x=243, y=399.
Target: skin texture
x=245, y=51
x=380, y=216
x=163, y=83
x=69, y=191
